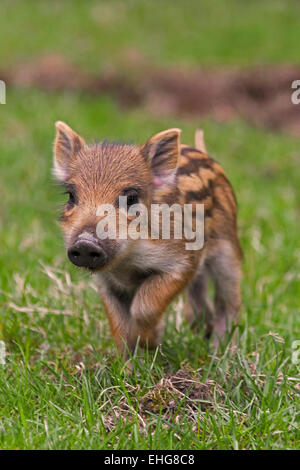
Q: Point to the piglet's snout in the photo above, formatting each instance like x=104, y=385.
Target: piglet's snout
x=87, y=254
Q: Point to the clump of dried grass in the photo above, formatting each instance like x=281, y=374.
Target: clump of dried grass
x=182, y=389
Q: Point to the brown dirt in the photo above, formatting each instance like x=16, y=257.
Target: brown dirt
x=185, y=385
x=261, y=95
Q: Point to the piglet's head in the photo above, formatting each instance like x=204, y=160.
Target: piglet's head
x=96, y=176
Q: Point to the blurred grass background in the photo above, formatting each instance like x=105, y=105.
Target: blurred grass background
x=94, y=34
x=49, y=320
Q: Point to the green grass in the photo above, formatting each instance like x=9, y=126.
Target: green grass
x=62, y=379
x=62, y=386
x=95, y=34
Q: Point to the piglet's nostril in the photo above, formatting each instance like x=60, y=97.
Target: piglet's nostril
x=75, y=253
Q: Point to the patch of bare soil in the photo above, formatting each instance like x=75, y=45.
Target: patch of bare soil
x=184, y=387
x=261, y=95
x=177, y=397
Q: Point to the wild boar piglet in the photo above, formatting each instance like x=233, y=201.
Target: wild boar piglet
x=149, y=221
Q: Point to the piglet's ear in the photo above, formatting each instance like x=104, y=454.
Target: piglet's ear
x=67, y=143
x=161, y=153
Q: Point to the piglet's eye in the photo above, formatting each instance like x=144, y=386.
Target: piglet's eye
x=72, y=199
x=132, y=195
x=132, y=199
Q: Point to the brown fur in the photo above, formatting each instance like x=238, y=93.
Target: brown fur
x=142, y=277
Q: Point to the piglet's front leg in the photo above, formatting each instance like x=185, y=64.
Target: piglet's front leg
x=148, y=305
